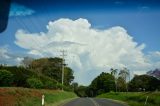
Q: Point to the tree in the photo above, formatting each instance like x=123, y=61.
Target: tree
x=52, y=67
x=6, y=78
x=74, y=86
x=81, y=91
x=114, y=73
x=124, y=73
x=68, y=76
x=34, y=83
x=26, y=62
x=144, y=83
x=101, y=84
x=121, y=84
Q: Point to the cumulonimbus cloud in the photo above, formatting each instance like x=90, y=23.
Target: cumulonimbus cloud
x=90, y=50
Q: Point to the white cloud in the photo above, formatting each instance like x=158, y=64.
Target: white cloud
x=7, y=57
x=90, y=51
x=20, y=10
x=3, y=52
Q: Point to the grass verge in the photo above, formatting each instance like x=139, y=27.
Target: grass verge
x=134, y=98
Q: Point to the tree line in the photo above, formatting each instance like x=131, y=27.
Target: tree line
x=118, y=81
x=37, y=73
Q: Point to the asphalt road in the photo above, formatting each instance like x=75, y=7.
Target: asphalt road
x=92, y=102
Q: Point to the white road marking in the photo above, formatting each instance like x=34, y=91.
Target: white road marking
x=94, y=102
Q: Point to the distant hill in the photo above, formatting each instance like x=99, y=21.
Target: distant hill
x=154, y=73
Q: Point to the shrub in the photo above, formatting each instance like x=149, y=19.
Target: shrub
x=49, y=85
x=48, y=82
x=6, y=78
x=34, y=83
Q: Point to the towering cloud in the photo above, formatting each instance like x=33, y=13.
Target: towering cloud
x=90, y=51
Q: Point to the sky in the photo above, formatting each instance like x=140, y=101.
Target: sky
x=96, y=35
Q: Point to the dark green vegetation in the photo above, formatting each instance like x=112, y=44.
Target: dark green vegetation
x=144, y=83
x=118, y=82
x=6, y=78
x=40, y=73
x=134, y=98
x=32, y=97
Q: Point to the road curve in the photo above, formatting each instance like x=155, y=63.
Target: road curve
x=92, y=102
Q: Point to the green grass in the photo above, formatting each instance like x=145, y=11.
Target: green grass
x=57, y=97
x=32, y=97
x=134, y=98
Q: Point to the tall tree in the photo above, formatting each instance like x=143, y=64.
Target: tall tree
x=114, y=73
x=124, y=73
x=26, y=62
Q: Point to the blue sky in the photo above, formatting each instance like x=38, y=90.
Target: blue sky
x=139, y=18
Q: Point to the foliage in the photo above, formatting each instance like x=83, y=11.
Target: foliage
x=101, y=84
x=121, y=84
x=144, y=82
x=47, y=70
x=124, y=74
x=74, y=86
x=26, y=62
x=68, y=75
x=51, y=67
x=34, y=83
x=6, y=78
x=114, y=73
x=20, y=75
x=81, y=91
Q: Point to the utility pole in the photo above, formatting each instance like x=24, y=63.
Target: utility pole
x=63, y=65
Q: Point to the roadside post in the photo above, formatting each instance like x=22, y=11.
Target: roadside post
x=43, y=100
x=146, y=100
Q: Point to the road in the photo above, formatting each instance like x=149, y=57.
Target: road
x=92, y=102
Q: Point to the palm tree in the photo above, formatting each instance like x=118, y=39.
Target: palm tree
x=124, y=73
x=114, y=73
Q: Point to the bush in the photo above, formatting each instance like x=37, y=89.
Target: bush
x=49, y=85
x=34, y=83
x=48, y=82
x=20, y=75
x=6, y=78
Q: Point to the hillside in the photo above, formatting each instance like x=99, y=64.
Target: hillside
x=14, y=96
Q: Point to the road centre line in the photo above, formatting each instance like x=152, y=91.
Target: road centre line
x=94, y=102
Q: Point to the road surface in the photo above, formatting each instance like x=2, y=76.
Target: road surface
x=92, y=102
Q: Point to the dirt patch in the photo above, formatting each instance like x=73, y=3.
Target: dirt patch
x=37, y=94
x=5, y=98
x=11, y=96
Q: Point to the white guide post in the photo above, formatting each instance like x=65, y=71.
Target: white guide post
x=43, y=100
